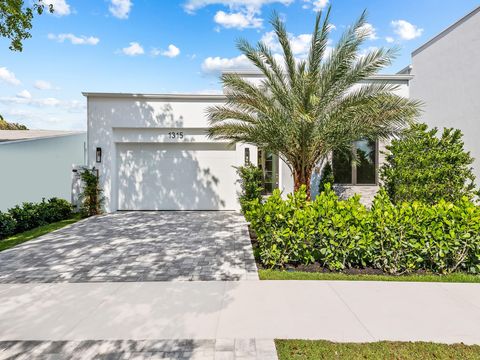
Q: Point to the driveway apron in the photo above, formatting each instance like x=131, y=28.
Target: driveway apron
x=137, y=246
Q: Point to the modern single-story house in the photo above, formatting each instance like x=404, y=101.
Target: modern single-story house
x=36, y=164
x=152, y=153
x=446, y=77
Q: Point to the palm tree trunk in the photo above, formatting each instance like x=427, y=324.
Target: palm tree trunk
x=302, y=177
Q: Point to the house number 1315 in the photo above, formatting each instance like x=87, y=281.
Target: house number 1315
x=175, y=135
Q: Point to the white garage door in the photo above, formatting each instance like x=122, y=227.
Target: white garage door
x=176, y=177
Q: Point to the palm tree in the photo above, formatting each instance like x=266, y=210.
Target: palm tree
x=306, y=108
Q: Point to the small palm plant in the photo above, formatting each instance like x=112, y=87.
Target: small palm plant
x=306, y=108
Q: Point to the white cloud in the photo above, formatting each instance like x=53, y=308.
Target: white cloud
x=75, y=40
x=172, y=51
x=120, y=8
x=300, y=44
x=405, y=30
x=242, y=13
x=8, y=76
x=215, y=65
x=315, y=5
x=370, y=30
x=40, y=102
x=60, y=7
x=238, y=20
x=134, y=49
x=24, y=94
x=193, y=5
x=389, y=39
x=43, y=85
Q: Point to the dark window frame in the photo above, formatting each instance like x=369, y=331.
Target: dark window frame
x=261, y=159
x=354, y=181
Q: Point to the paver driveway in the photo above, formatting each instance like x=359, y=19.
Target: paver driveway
x=137, y=246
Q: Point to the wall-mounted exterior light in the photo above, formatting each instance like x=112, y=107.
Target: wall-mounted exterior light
x=247, y=156
x=98, y=155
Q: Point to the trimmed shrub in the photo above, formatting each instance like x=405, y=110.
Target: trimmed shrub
x=250, y=179
x=326, y=177
x=422, y=166
x=342, y=234
x=7, y=225
x=54, y=210
x=92, y=194
x=26, y=216
x=31, y=215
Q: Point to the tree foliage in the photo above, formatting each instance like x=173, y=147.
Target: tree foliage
x=250, y=179
x=422, y=166
x=305, y=108
x=16, y=20
x=4, y=125
x=92, y=195
x=326, y=177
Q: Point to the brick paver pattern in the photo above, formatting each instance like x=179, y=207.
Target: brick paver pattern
x=137, y=246
x=220, y=349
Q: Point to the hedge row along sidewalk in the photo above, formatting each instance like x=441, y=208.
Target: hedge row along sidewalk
x=344, y=234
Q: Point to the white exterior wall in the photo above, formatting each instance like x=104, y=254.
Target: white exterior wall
x=40, y=168
x=116, y=121
x=124, y=125
x=446, y=74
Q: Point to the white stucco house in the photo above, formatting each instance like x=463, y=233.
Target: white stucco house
x=36, y=164
x=446, y=77
x=152, y=153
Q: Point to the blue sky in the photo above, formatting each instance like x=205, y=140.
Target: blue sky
x=163, y=46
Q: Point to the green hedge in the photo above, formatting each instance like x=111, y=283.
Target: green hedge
x=31, y=215
x=341, y=234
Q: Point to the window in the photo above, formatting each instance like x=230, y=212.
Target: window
x=268, y=162
x=363, y=172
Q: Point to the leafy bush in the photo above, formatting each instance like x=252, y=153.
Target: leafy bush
x=7, y=225
x=54, y=210
x=250, y=178
x=31, y=215
x=91, y=197
x=421, y=166
x=26, y=216
x=342, y=234
x=326, y=177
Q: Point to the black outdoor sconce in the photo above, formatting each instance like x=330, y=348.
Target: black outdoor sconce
x=247, y=156
x=99, y=155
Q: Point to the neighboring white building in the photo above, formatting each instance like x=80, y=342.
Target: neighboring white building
x=36, y=164
x=152, y=153
x=446, y=77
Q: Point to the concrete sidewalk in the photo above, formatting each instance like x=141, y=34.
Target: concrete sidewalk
x=337, y=311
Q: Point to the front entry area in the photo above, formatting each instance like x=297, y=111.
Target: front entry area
x=176, y=176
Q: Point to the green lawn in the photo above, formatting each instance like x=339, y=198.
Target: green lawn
x=325, y=350
x=298, y=275
x=32, y=234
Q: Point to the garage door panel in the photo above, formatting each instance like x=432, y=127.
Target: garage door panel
x=176, y=177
